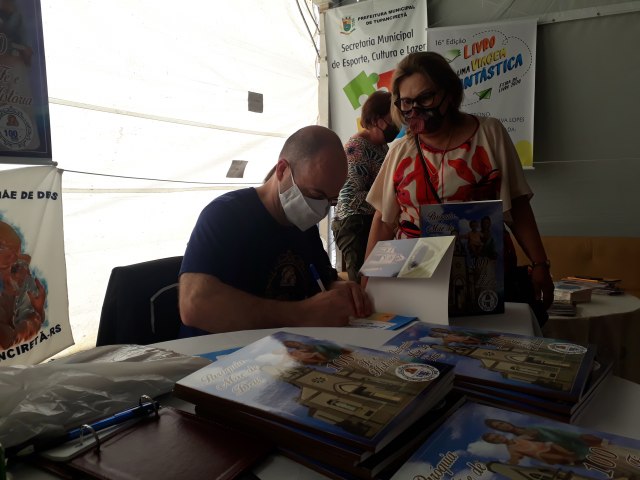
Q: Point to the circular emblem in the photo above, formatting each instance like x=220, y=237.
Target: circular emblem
x=15, y=128
x=488, y=300
x=417, y=372
x=568, y=348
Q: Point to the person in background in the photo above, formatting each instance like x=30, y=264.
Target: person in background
x=247, y=263
x=451, y=156
x=365, y=153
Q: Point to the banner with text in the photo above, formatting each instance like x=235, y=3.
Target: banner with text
x=24, y=102
x=365, y=42
x=496, y=64
x=34, y=306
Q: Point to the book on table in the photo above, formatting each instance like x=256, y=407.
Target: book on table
x=516, y=370
x=312, y=393
x=482, y=442
x=476, y=283
x=333, y=458
x=567, y=292
x=563, y=411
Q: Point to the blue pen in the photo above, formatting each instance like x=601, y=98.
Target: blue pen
x=120, y=417
x=316, y=277
x=117, y=419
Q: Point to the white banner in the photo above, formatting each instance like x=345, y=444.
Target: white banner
x=365, y=42
x=34, y=307
x=496, y=64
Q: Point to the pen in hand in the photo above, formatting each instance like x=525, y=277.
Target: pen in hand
x=316, y=277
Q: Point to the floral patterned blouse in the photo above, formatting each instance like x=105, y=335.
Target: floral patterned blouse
x=365, y=159
x=484, y=167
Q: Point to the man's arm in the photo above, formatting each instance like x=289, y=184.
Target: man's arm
x=209, y=304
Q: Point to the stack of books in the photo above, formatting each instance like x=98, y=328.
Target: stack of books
x=598, y=285
x=343, y=410
x=481, y=442
x=561, y=309
x=571, y=293
x=547, y=377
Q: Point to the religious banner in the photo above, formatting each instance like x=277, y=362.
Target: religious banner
x=496, y=64
x=365, y=42
x=24, y=103
x=34, y=307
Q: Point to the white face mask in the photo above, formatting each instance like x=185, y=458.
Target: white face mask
x=303, y=212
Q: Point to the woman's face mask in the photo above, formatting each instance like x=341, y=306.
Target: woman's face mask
x=390, y=132
x=425, y=120
x=301, y=211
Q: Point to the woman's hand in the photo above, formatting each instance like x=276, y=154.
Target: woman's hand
x=542, y=284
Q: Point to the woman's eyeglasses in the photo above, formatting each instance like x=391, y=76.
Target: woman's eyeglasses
x=424, y=100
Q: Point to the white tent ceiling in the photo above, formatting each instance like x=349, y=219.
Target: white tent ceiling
x=144, y=94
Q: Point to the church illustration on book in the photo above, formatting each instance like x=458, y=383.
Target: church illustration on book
x=539, y=368
x=352, y=400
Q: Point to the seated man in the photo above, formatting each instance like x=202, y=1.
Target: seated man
x=247, y=264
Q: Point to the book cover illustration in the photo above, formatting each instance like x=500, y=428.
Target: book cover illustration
x=476, y=283
x=384, y=321
x=483, y=443
x=543, y=366
x=357, y=395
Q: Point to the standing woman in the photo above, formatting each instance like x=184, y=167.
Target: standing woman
x=451, y=156
x=365, y=153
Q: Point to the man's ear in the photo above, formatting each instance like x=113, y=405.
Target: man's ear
x=281, y=167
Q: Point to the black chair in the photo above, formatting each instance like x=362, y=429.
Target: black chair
x=141, y=303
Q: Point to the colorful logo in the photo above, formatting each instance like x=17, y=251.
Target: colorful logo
x=417, y=372
x=348, y=25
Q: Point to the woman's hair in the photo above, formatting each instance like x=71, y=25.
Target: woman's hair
x=377, y=106
x=437, y=68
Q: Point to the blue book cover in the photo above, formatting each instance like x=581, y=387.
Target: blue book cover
x=482, y=442
x=544, y=367
x=476, y=284
x=355, y=395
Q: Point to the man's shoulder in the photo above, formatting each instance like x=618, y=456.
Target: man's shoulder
x=235, y=200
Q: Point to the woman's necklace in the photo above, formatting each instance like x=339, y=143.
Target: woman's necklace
x=442, y=160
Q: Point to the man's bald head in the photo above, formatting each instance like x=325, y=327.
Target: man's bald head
x=304, y=146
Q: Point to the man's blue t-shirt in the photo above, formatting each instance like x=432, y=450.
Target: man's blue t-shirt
x=238, y=241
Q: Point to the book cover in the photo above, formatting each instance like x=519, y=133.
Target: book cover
x=336, y=455
x=476, y=283
x=482, y=442
x=384, y=463
x=565, y=410
x=545, y=367
x=355, y=395
x=384, y=321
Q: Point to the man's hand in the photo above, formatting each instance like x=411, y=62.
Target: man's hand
x=361, y=301
x=334, y=307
